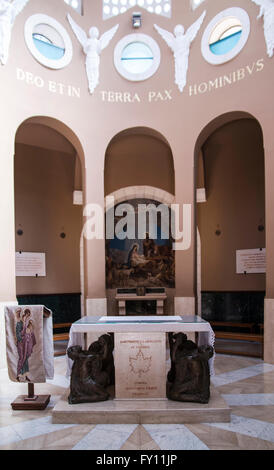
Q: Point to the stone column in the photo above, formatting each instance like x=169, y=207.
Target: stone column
x=269, y=219
x=7, y=236
x=94, y=249
x=184, y=302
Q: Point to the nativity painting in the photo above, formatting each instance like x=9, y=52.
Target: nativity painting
x=147, y=261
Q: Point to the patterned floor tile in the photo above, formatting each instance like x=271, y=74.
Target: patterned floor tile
x=224, y=363
x=249, y=427
x=241, y=374
x=262, y=383
x=62, y=439
x=248, y=399
x=247, y=384
x=140, y=439
x=262, y=413
x=174, y=437
x=106, y=437
x=220, y=439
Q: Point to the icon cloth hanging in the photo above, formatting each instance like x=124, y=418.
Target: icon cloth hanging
x=29, y=343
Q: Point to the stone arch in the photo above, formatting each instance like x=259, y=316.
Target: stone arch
x=62, y=129
x=215, y=125
x=139, y=150
x=148, y=192
x=218, y=122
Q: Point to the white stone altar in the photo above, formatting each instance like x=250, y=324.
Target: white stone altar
x=144, y=325
x=144, y=409
x=147, y=323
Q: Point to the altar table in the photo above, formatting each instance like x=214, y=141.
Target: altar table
x=141, y=325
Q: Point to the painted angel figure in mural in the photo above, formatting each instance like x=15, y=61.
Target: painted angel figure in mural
x=92, y=47
x=26, y=341
x=180, y=42
x=8, y=12
x=267, y=11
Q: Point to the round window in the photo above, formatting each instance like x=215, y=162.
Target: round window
x=48, y=41
x=225, y=36
x=137, y=57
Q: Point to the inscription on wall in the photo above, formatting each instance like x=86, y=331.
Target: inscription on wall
x=226, y=80
x=127, y=97
x=50, y=85
x=151, y=96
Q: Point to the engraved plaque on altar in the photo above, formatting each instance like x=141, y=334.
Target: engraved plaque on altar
x=140, y=365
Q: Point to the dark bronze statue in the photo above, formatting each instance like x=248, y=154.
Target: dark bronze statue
x=188, y=379
x=104, y=347
x=92, y=371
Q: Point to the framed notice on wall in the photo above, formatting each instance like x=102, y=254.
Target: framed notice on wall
x=30, y=264
x=250, y=261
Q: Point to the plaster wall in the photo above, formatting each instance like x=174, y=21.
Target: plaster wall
x=234, y=180
x=90, y=122
x=44, y=182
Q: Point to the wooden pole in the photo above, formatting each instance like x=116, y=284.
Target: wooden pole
x=30, y=390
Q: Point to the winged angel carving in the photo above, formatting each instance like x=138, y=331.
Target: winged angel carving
x=180, y=43
x=92, y=47
x=8, y=12
x=267, y=11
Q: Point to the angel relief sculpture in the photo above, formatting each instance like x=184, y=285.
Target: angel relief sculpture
x=8, y=12
x=267, y=11
x=180, y=42
x=92, y=47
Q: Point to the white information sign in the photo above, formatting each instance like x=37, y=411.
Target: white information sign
x=30, y=264
x=250, y=261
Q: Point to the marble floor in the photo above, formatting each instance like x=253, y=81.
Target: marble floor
x=247, y=385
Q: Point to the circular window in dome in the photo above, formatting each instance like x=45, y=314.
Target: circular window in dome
x=137, y=57
x=225, y=36
x=48, y=41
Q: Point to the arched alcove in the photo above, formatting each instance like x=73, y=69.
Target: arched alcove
x=139, y=171
x=231, y=220
x=61, y=128
x=137, y=157
x=48, y=168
